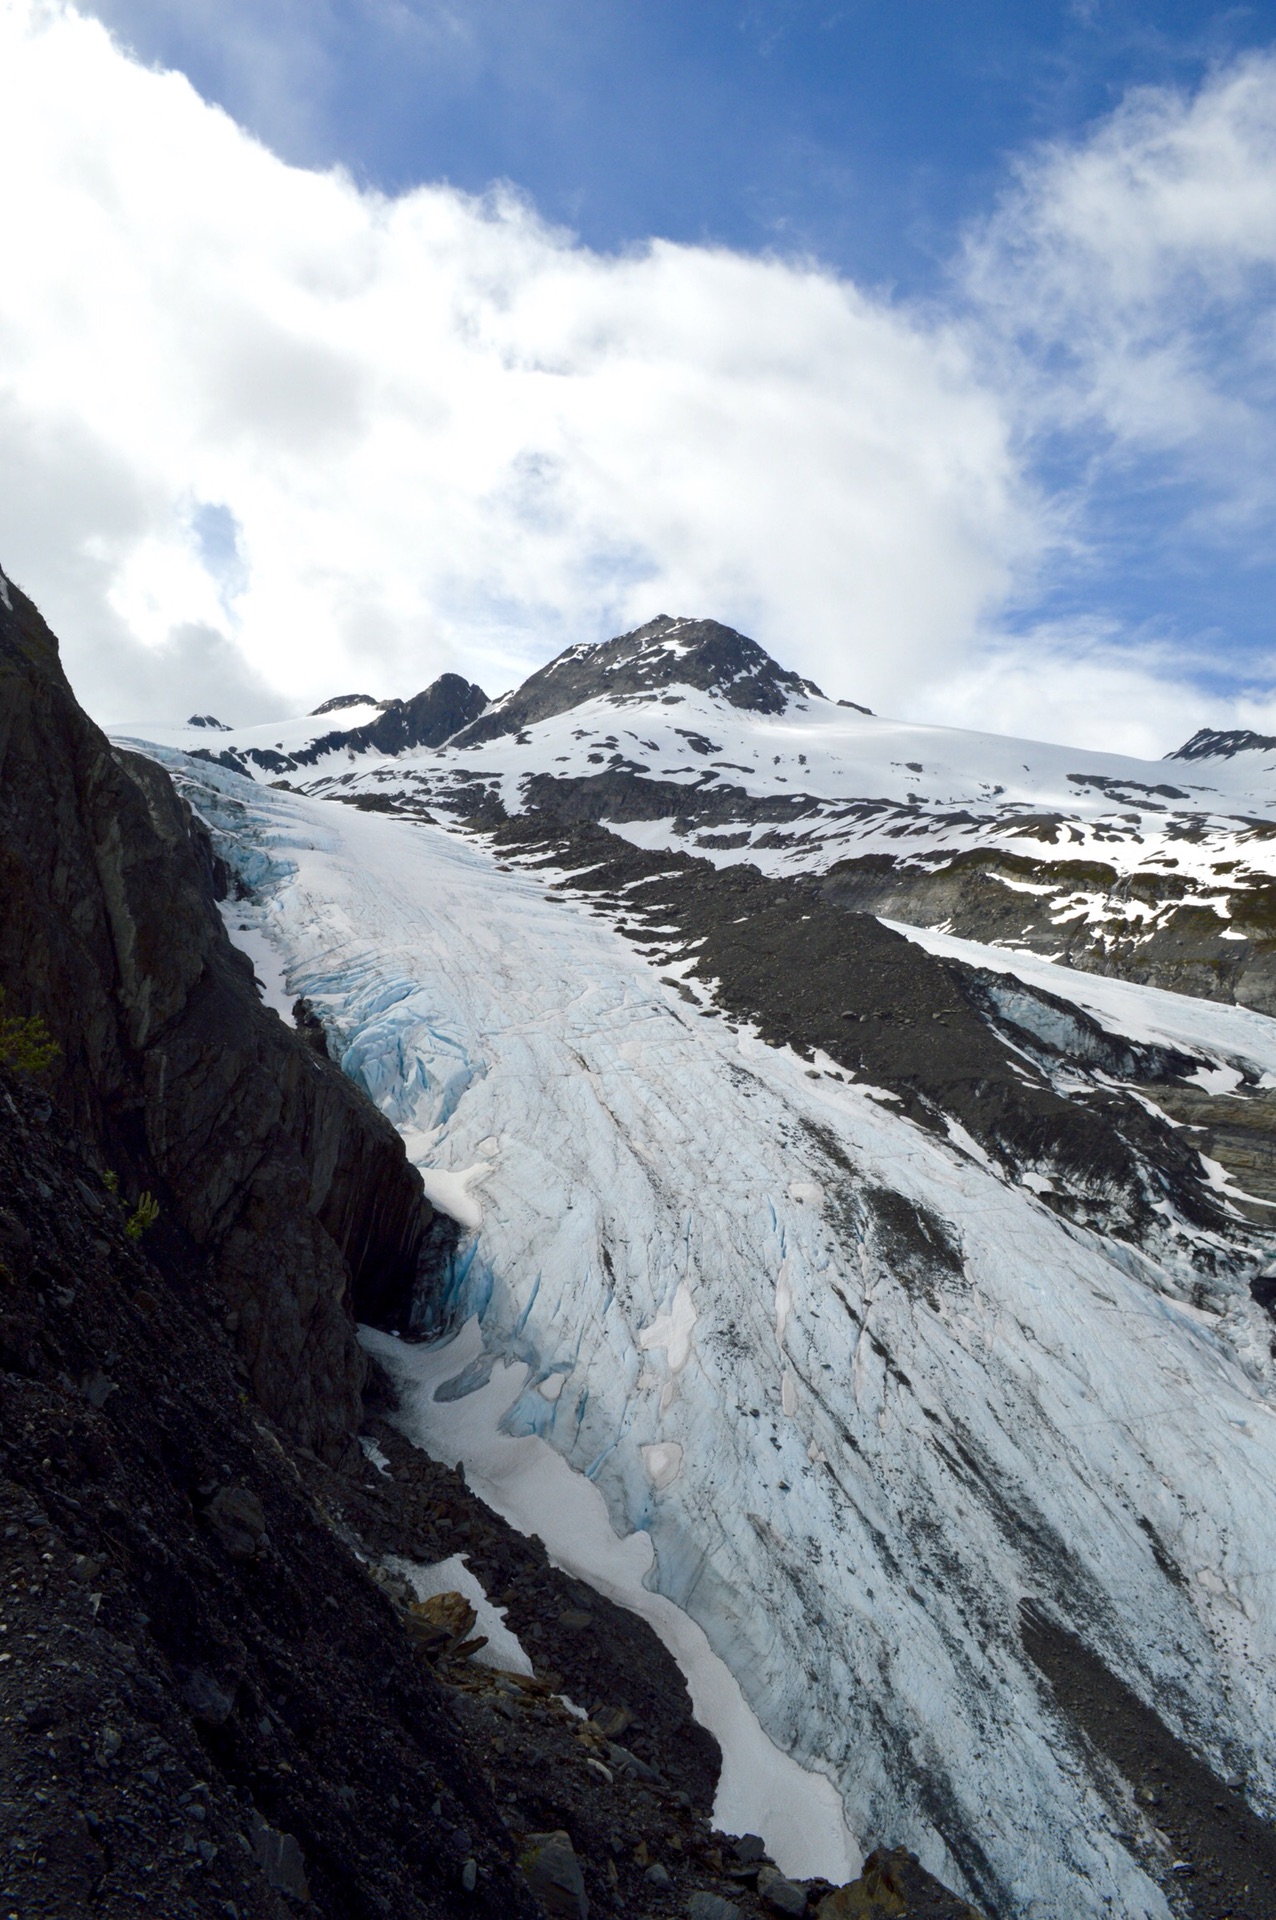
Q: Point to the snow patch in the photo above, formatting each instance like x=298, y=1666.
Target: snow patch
x=673, y=1330
x=268, y=968
x=450, y=1192
x=504, y=1648
x=1217, y=1079
x=761, y=1790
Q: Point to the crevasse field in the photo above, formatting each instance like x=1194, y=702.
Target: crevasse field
x=847, y=1481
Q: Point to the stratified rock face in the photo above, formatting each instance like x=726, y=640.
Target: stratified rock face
x=259, y=1151
x=664, y=653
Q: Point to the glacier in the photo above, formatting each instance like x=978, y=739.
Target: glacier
x=854, y=1464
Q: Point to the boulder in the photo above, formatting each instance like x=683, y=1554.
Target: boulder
x=236, y=1517
x=711, y=1906
x=780, y=1895
x=552, y=1871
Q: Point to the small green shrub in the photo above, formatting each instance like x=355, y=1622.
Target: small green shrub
x=143, y=1216
x=111, y=1181
x=25, y=1045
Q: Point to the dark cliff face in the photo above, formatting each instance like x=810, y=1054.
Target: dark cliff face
x=664, y=653
x=426, y=720
x=263, y=1157
x=207, y=1706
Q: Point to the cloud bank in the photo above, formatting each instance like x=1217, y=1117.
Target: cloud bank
x=267, y=435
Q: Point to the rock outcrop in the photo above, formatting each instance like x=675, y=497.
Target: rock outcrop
x=264, y=1159
x=665, y=652
x=206, y=1706
x=426, y=720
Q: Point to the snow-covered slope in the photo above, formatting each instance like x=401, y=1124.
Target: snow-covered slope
x=685, y=736
x=867, y=1396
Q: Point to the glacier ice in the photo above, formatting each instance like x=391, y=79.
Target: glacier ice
x=678, y=1238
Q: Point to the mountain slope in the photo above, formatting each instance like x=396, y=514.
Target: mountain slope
x=912, y=1398
x=215, y=1696
x=685, y=736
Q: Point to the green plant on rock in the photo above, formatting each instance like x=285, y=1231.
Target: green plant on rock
x=143, y=1216
x=26, y=1046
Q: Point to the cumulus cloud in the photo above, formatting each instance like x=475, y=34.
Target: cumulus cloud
x=1079, y=683
x=267, y=435
x=447, y=436
x=1135, y=273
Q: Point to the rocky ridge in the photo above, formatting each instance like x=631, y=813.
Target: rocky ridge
x=426, y=720
x=1158, y=872
x=663, y=654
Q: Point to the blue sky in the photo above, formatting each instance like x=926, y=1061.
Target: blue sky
x=868, y=131
x=958, y=376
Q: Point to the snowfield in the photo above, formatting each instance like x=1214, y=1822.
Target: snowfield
x=822, y=782
x=851, y=1468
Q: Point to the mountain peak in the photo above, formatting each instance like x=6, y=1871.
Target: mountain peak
x=666, y=652
x=1209, y=744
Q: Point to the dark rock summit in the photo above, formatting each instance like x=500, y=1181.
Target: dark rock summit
x=426, y=720
x=664, y=653
x=1208, y=744
x=264, y=1159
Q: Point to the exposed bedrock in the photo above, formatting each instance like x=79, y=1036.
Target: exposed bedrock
x=663, y=653
x=1210, y=934
x=949, y=1041
x=1151, y=928
x=426, y=720
x=259, y=1151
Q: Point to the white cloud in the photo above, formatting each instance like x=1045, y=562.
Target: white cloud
x=1136, y=272
x=266, y=435
x=445, y=435
x=1076, y=684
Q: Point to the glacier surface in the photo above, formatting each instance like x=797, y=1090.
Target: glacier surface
x=853, y=1461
